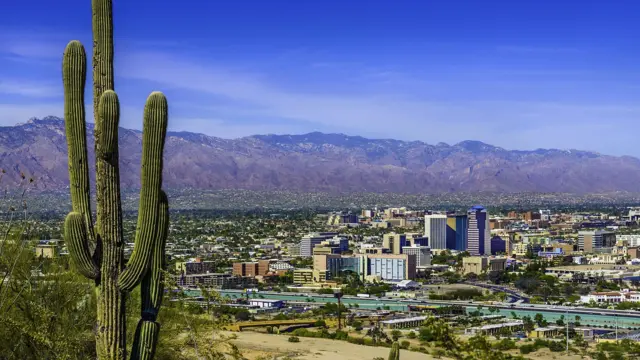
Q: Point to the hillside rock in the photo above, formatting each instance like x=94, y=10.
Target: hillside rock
x=325, y=162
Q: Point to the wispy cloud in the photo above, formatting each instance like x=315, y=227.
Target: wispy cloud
x=29, y=88
x=43, y=45
x=391, y=111
x=222, y=99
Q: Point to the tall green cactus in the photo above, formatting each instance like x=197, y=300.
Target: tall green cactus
x=394, y=353
x=98, y=249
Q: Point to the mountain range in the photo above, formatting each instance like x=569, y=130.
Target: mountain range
x=333, y=163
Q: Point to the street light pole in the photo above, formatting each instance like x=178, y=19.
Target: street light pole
x=567, y=316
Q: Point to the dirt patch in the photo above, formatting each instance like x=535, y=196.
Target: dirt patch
x=255, y=345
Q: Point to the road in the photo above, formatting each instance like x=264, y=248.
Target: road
x=406, y=302
x=513, y=295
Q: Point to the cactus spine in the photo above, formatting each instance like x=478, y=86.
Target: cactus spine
x=97, y=249
x=394, y=353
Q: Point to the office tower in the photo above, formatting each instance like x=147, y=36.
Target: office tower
x=309, y=241
x=422, y=253
x=498, y=246
x=394, y=267
x=457, y=232
x=394, y=242
x=435, y=228
x=478, y=232
x=590, y=241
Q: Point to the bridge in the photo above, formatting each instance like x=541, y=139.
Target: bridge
x=239, y=326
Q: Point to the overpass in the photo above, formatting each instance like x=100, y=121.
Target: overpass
x=239, y=326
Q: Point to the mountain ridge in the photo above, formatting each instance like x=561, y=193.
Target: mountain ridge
x=326, y=162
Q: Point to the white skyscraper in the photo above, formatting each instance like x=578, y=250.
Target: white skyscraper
x=435, y=228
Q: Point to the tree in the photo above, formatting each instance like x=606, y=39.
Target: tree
x=578, y=341
x=506, y=332
x=376, y=334
x=51, y=317
x=98, y=250
x=498, y=277
x=577, y=277
x=438, y=330
x=528, y=324
x=539, y=319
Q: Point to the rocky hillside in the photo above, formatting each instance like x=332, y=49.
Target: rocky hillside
x=326, y=162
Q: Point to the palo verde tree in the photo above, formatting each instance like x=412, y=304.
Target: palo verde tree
x=98, y=249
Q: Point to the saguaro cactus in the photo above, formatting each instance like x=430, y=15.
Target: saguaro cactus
x=394, y=353
x=98, y=249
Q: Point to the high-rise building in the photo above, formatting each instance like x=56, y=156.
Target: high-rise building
x=309, y=241
x=457, y=232
x=394, y=242
x=435, y=228
x=478, y=231
x=383, y=266
x=498, y=245
x=589, y=241
x=391, y=267
x=422, y=253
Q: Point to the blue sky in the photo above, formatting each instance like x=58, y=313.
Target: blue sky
x=517, y=74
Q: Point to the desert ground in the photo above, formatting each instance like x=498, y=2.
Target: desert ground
x=256, y=345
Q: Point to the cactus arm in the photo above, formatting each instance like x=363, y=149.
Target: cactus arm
x=108, y=179
x=145, y=340
x=152, y=290
x=153, y=135
x=394, y=353
x=74, y=74
x=75, y=235
x=153, y=282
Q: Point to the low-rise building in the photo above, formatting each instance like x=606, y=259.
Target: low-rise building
x=196, y=266
x=546, y=332
x=48, y=248
x=481, y=264
x=411, y=322
x=267, y=303
x=611, y=297
x=492, y=329
x=302, y=276
x=215, y=280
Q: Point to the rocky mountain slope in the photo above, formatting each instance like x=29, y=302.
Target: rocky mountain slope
x=325, y=162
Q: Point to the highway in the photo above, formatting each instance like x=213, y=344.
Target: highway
x=625, y=318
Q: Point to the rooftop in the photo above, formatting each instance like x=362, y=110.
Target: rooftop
x=501, y=325
x=397, y=321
